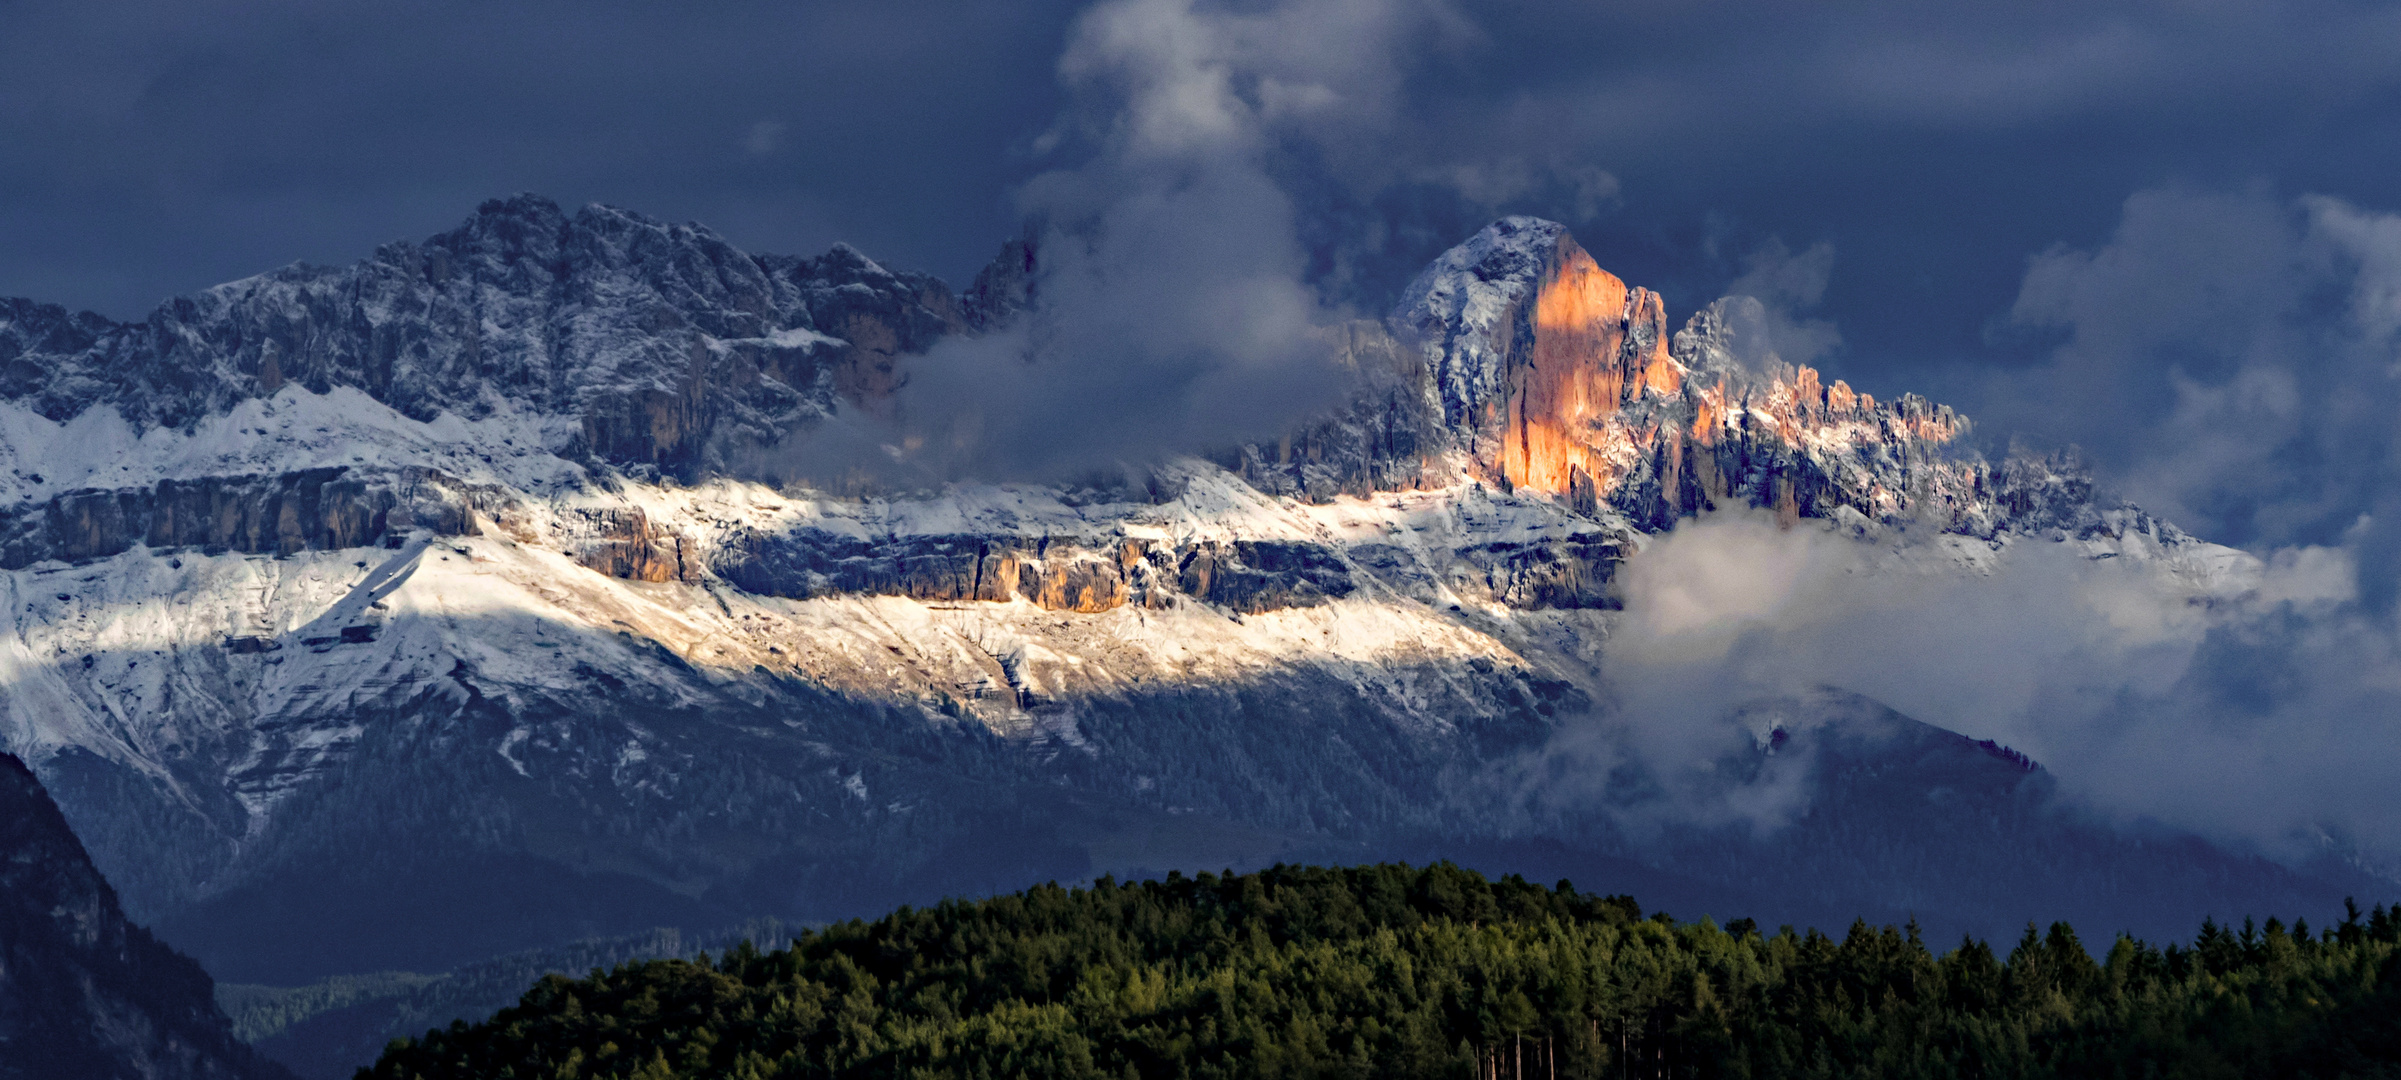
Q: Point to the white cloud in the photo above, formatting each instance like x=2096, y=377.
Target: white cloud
x=1173, y=308
x=2259, y=704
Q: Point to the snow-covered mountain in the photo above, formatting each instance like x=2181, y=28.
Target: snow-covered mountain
x=399, y=614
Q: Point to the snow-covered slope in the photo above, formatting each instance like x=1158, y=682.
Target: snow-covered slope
x=396, y=614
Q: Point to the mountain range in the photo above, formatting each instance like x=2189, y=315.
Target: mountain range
x=466, y=599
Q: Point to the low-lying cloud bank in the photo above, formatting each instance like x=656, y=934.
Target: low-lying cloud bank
x=2249, y=699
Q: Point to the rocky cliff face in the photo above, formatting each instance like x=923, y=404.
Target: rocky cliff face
x=321, y=509
x=1534, y=350
x=1552, y=376
x=450, y=557
x=1516, y=361
x=84, y=992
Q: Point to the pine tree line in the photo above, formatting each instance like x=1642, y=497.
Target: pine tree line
x=1393, y=971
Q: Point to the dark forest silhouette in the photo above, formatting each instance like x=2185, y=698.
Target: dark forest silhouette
x=1396, y=971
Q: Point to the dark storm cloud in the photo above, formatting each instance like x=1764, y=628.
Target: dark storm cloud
x=1174, y=309
x=1747, y=146
x=1934, y=146
x=148, y=149
x=157, y=148
x=2233, y=361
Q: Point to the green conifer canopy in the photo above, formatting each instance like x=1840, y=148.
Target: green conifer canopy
x=1394, y=971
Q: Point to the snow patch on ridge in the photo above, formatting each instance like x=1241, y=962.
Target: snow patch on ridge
x=292, y=430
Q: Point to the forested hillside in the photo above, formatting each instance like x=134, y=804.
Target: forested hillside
x=326, y=1030
x=1392, y=971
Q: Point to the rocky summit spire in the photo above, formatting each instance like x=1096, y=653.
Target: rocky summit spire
x=1534, y=347
x=1555, y=377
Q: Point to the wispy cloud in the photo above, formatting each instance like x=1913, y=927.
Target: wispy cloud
x=1173, y=310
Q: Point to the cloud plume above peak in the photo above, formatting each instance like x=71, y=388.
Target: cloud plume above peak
x=1173, y=309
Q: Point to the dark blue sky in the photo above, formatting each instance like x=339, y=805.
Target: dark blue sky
x=157, y=148
x=1935, y=149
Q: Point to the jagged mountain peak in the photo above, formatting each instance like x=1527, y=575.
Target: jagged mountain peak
x=1512, y=250
x=523, y=210
x=843, y=259
x=1516, y=360
x=523, y=228
x=668, y=345
x=529, y=225
x=1728, y=339
x=1555, y=376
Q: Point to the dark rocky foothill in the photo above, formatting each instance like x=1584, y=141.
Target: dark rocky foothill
x=85, y=994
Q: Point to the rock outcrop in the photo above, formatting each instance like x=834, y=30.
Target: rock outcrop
x=83, y=992
x=1246, y=576
x=621, y=542
x=321, y=509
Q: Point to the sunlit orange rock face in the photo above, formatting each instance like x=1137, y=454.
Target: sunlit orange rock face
x=1515, y=360
x=1600, y=411
x=1598, y=347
